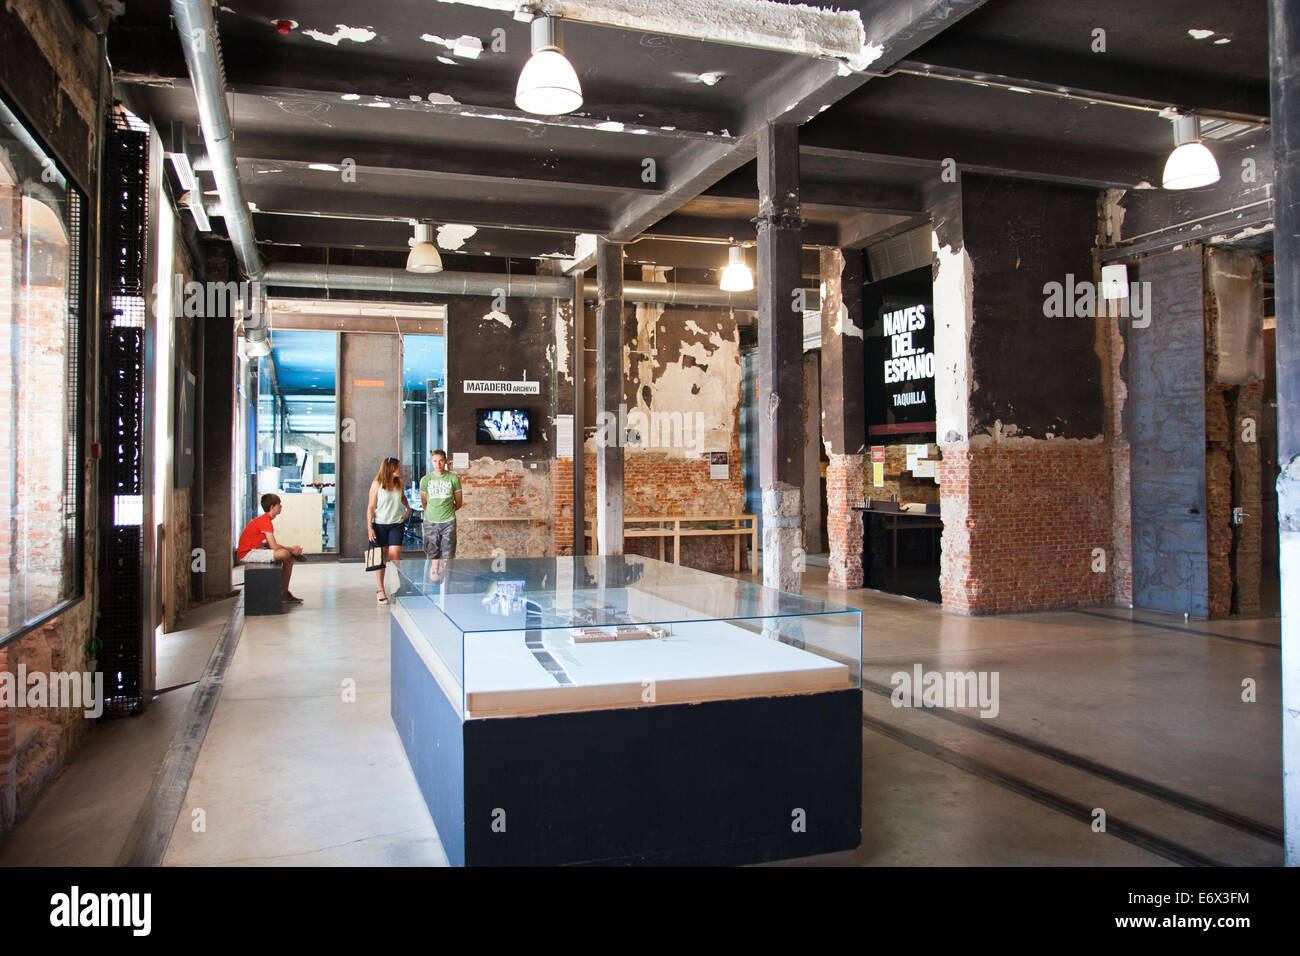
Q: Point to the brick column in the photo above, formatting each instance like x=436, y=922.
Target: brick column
x=562, y=507
x=844, y=479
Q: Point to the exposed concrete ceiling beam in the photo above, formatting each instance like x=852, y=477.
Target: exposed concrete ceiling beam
x=920, y=146
x=1092, y=78
x=874, y=227
x=801, y=91
x=865, y=196
x=347, y=203
x=742, y=230
x=468, y=165
x=757, y=24
x=321, y=232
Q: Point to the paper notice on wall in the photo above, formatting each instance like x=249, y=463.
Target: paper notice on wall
x=924, y=468
x=878, y=466
x=911, y=459
x=563, y=436
x=719, y=466
x=460, y=459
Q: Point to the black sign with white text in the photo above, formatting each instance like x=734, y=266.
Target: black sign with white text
x=900, y=355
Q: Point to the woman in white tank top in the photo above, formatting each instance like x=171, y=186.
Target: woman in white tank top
x=386, y=514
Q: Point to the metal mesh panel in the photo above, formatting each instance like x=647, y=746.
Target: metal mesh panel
x=72, y=499
x=121, y=625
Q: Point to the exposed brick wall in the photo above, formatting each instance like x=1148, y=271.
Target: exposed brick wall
x=1021, y=519
x=508, y=488
x=656, y=483
x=562, y=507
x=1218, y=497
x=844, y=488
x=1248, y=495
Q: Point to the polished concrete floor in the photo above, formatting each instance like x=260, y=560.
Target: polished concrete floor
x=1129, y=719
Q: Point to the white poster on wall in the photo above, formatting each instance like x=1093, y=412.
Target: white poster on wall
x=563, y=436
x=460, y=460
x=719, y=465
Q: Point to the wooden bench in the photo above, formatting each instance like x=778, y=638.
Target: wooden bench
x=664, y=527
x=264, y=588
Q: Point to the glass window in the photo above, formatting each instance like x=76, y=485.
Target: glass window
x=296, y=429
x=424, y=387
x=40, y=364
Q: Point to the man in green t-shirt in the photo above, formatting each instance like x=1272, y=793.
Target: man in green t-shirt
x=440, y=496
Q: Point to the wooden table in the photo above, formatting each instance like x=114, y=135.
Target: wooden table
x=664, y=527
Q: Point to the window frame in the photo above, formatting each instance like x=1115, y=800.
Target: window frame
x=77, y=366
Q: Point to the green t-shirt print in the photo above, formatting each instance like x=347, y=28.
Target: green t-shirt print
x=439, y=492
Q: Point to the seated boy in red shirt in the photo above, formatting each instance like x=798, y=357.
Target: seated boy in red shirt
x=257, y=544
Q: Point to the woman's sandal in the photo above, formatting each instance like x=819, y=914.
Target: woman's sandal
x=383, y=598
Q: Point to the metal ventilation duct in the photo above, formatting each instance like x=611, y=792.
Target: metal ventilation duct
x=902, y=253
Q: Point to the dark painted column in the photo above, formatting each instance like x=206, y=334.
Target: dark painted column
x=579, y=360
x=217, y=438
x=1284, y=82
x=843, y=404
x=609, y=397
x=780, y=356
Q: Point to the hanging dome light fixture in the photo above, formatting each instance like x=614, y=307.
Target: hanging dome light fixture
x=424, y=255
x=1191, y=165
x=736, y=277
x=548, y=84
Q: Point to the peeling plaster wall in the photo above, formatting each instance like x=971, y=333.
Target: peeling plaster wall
x=681, y=388
x=1234, y=375
x=953, y=294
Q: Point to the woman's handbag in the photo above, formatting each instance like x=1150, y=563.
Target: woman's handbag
x=374, y=558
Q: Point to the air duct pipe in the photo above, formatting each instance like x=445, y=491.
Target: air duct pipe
x=198, y=35
x=371, y=279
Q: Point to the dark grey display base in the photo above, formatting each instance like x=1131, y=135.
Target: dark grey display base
x=722, y=782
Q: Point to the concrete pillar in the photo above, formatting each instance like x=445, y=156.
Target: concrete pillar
x=1284, y=83
x=780, y=365
x=370, y=422
x=609, y=397
x=843, y=403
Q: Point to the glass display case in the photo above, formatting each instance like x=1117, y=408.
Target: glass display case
x=543, y=635
x=622, y=709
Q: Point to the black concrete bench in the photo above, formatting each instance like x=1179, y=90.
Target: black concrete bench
x=264, y=588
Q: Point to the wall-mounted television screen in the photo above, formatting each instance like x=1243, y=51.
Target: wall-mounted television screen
x=498, y=426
